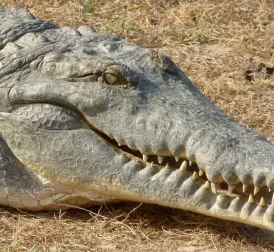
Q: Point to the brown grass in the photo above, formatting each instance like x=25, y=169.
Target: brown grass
x=214, y=42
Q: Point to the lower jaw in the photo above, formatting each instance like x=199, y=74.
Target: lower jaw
x=179, y=189
x=151, y=184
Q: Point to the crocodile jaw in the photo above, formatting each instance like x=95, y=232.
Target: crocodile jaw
x=123, y=176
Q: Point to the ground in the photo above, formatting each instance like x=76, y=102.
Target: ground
x=226, y=48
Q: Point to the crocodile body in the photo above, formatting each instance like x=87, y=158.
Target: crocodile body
x=89, y=118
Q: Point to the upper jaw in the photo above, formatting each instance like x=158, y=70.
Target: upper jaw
x=234, y=159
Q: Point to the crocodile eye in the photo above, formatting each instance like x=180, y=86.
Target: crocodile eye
x=114, y=75
x=111, y=78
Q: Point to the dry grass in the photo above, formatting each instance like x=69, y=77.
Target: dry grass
x=126, y=227
x=214, y=42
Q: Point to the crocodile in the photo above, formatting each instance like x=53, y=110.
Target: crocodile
x=88, y=118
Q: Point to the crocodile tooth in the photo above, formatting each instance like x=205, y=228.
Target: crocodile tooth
x=145, y=157
x=190, y=163
x=256, y=190
x=207, y=185
x=183, y=166
x=167, y=166
x=160, y=159
x=250, y=199
x=244, y=187
x=195, y=175
x=231, y=188
x=152, y=164
x=215, y=187
x=262, y=202
x=272, y=202
x=269, y=189
x=176, y=159
x=119, y=144
x=201, y=173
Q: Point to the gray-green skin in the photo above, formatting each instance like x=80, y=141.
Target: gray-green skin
x=64, y=93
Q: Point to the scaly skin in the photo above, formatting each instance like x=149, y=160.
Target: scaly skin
x=87, y=118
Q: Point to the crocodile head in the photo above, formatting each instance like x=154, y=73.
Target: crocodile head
x=103, y=116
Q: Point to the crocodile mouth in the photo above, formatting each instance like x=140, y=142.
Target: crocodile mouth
x=252, y=194
x=262, y=196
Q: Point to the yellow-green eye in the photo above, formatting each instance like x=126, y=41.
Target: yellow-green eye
x=111, y=78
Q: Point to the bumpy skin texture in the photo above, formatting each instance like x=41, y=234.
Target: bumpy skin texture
x=87, y=118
